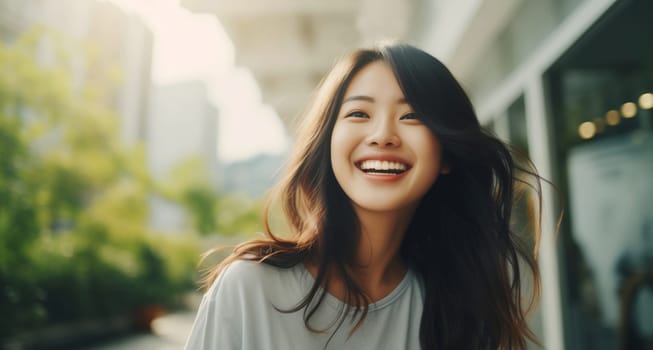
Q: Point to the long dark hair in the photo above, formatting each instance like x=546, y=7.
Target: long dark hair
x=459, y=241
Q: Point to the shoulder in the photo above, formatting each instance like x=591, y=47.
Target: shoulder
x=241, y=271
x=236, y=274
x=246, y=278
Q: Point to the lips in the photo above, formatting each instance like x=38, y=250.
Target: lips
x=383, y=166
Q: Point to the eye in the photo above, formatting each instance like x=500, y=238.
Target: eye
x=410, y=116
x=357, y=114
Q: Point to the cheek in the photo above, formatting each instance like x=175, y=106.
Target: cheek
x=431, y=150
x=341, y=145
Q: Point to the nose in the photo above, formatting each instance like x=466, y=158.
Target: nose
x=384, y=135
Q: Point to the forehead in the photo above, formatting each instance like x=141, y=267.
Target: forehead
x=375, y=80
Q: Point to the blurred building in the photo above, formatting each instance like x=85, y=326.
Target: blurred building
x=568, y=81
x=184, y=126
x=121, y=41
x=125, y=41
x=252, y=177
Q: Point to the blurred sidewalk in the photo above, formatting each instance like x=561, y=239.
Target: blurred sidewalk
x=169, y=333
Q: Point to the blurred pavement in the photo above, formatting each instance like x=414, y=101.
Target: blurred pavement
x=169, y=333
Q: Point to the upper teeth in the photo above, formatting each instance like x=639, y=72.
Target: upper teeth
x=382, y=165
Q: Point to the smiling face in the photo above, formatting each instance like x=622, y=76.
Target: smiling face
x=382, y=156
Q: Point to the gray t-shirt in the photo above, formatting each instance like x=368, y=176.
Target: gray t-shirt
x=238, y=313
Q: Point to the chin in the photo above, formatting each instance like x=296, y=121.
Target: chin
x=383, y=206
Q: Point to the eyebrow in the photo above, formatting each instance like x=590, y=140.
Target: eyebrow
x=369, y=99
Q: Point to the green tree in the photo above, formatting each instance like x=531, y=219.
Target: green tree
x=188, y=183
x=74, y=240
x=21, y=95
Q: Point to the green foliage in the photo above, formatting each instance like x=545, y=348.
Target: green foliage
x=17, y=214
x=18, y=224
x=188, y=183
x=74, y=240
x=239, y=216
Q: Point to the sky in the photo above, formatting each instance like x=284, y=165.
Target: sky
x=195, y=46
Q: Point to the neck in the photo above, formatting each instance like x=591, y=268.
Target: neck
x=378, y=267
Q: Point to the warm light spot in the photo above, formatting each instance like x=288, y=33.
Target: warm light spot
x=599, y=123
x=628, y=109
x=612, y=117
x=587, y=130
x=646, y=101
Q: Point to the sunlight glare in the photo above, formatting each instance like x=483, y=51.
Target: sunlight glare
x=252, y=127
x=190, y=46
x=186, y=45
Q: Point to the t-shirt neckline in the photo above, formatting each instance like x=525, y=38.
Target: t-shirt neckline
x=334, y=302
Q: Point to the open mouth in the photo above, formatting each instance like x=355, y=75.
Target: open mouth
x=382, y=167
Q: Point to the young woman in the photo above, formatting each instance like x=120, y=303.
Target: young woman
x=400, y=207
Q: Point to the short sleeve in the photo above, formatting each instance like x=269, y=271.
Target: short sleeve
x=218, y=321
